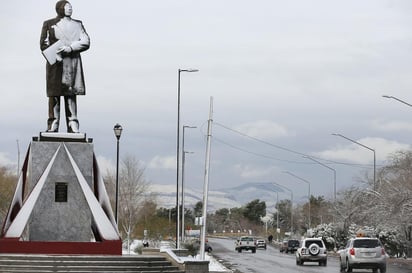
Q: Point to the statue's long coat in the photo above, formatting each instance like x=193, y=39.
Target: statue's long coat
x=65, y=77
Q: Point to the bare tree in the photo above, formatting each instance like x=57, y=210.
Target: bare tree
x=7, y=185
x=348, y=205
x=132, y=188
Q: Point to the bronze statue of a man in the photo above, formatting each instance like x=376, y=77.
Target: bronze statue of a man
x=61, y=41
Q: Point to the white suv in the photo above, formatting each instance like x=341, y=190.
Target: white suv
x=311, y=250
x=362, y=252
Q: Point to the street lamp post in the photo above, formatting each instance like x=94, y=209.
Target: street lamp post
x=117, y=132
x=291, y=207
x=334, y=175
x=395, y=98
x=183, y=179
x=306, y=181
x=277, y=216
x=178, y=154
x=364, y=146
x=183, y=193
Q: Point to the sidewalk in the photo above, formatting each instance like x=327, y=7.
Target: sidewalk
x=401, y=262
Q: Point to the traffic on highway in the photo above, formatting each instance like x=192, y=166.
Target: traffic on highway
x=271, y=259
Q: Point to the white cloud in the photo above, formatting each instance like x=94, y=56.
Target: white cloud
x=358, y=154
x=165, y=162
x=391, y=126
x=263, y=129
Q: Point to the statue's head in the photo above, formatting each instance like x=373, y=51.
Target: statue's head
x=63, y=8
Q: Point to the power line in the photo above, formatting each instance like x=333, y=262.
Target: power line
x=259, y=154
x=278, y=147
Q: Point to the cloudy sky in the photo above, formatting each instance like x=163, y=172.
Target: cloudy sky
x=284, y=76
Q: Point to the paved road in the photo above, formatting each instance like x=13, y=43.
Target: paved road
x=271, y=260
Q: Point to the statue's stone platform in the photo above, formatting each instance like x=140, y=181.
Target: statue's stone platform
x=65, y=137
x=60, y=205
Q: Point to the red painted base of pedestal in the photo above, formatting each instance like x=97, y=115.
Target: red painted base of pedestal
x=14, y=246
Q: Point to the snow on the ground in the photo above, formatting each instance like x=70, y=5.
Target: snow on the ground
x=214, y=265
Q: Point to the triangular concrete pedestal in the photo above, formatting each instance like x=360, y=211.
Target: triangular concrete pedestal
x=60, y=205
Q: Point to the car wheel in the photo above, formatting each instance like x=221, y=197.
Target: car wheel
x=342, y=268
x=314, y=249
x=382, y=269
x=239, y=250
x=254, y=250
x=348, y=268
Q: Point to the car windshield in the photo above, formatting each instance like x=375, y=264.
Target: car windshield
x=247, y=239
x=366, y=243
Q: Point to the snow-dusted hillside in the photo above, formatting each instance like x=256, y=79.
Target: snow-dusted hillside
x=166, y=197
x=224, y=198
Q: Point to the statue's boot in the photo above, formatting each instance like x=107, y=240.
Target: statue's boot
x=71, y=114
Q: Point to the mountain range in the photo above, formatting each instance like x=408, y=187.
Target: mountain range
x=221, y=198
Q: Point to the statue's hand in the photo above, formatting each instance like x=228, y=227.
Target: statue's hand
x=65, y=49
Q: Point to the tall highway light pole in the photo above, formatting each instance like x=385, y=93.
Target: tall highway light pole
x=306, y=181
x=178, y=153
x=334, y=174
x=277, y=217
x=364, y=146
x=183, y=179
x=395, y=98
x=291, y=206
x=183, y=193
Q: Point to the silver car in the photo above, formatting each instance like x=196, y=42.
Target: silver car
x=365, y=253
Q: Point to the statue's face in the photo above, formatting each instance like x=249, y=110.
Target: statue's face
x=68, y=10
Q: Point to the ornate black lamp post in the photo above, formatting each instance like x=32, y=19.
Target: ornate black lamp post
x=117, y=132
